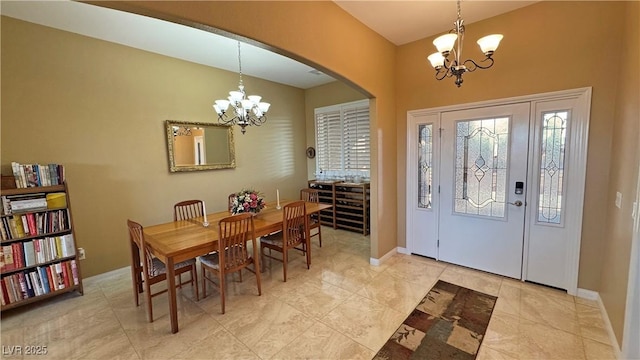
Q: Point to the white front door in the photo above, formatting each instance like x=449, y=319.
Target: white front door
x=483, y=184
x=499, y=185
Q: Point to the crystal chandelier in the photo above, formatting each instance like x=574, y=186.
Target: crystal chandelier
x=247, y=110
x=446, y=67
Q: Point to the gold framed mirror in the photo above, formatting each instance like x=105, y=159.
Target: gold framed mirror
x=194, y=146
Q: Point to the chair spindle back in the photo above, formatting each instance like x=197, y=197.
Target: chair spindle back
x=234, y=232
x=188, y=209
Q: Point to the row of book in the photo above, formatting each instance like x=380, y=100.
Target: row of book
x=31, y=175
x=19, y=226
x=39, y=281
x=37, y=251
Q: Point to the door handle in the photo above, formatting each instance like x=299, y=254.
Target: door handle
x=517, y=203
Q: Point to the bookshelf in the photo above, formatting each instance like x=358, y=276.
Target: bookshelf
x=39, y=258
x=350, y=201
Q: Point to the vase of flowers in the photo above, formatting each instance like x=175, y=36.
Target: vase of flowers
x=248, y=200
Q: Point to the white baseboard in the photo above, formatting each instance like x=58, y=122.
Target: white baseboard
x=588, y=294
x=385, y=257
x=403, y=250
x=607, y=324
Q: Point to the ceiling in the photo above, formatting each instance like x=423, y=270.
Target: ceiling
x=400, y=22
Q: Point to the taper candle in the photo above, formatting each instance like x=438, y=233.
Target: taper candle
x=278, y=198
x=204, y=212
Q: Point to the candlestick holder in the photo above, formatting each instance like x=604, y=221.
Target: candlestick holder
x=205, y=223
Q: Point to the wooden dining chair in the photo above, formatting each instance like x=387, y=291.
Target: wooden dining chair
x=188, y=209
x=147, y=270
x=294, y=229
x=232, y=198
x=312, y=195
x=233, y=254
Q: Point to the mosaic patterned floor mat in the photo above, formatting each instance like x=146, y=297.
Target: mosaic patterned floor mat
x=449, y=323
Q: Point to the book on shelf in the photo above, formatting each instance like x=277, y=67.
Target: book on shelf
x=29, y=253
x=31, y=224
x=12, y=227
x=53, y=171
x=15, y=168
x=23, y=286
x=28, y=205
x=3, y=230
x=11, y=293
x=37, y=251
x=59, y=276
x=74, y=272
x=58, y=243
x=37, y=282
x=25, y=225
x=18, y=256
x=3, y=291
x=42, y=175
x=38, y=223
x=31, y=177
x=6, y=205
x=49, y=275
x=30, y=290
x=8, y=258
x=67, y=245
x=15, y=280
x=45, y=280
x=66, y=273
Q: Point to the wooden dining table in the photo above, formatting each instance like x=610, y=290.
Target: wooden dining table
x=182, y=240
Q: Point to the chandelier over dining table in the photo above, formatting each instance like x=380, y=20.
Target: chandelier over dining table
x=449, y=67
x=239, y=109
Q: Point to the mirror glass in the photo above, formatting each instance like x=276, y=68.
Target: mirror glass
x=199, y=146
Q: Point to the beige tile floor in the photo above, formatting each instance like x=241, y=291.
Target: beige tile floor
x=343, y=308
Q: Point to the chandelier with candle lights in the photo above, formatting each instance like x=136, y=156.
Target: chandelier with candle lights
x=239, y=109
x=447, y=60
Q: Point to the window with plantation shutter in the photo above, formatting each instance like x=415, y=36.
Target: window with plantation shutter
x=342, y=139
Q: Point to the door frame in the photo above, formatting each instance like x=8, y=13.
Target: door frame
x=577, y=156
x=631, y=332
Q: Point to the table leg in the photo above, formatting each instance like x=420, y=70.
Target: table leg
x=171, y=285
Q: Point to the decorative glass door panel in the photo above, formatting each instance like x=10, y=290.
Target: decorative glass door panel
x=425, y=169
x=481, y=167
x=552, y=151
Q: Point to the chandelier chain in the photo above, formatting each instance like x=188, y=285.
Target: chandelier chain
x=239, y=64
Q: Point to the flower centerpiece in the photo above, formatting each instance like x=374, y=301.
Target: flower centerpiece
x=248, y=200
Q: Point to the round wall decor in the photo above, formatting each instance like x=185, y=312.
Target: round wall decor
x=311, y=152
